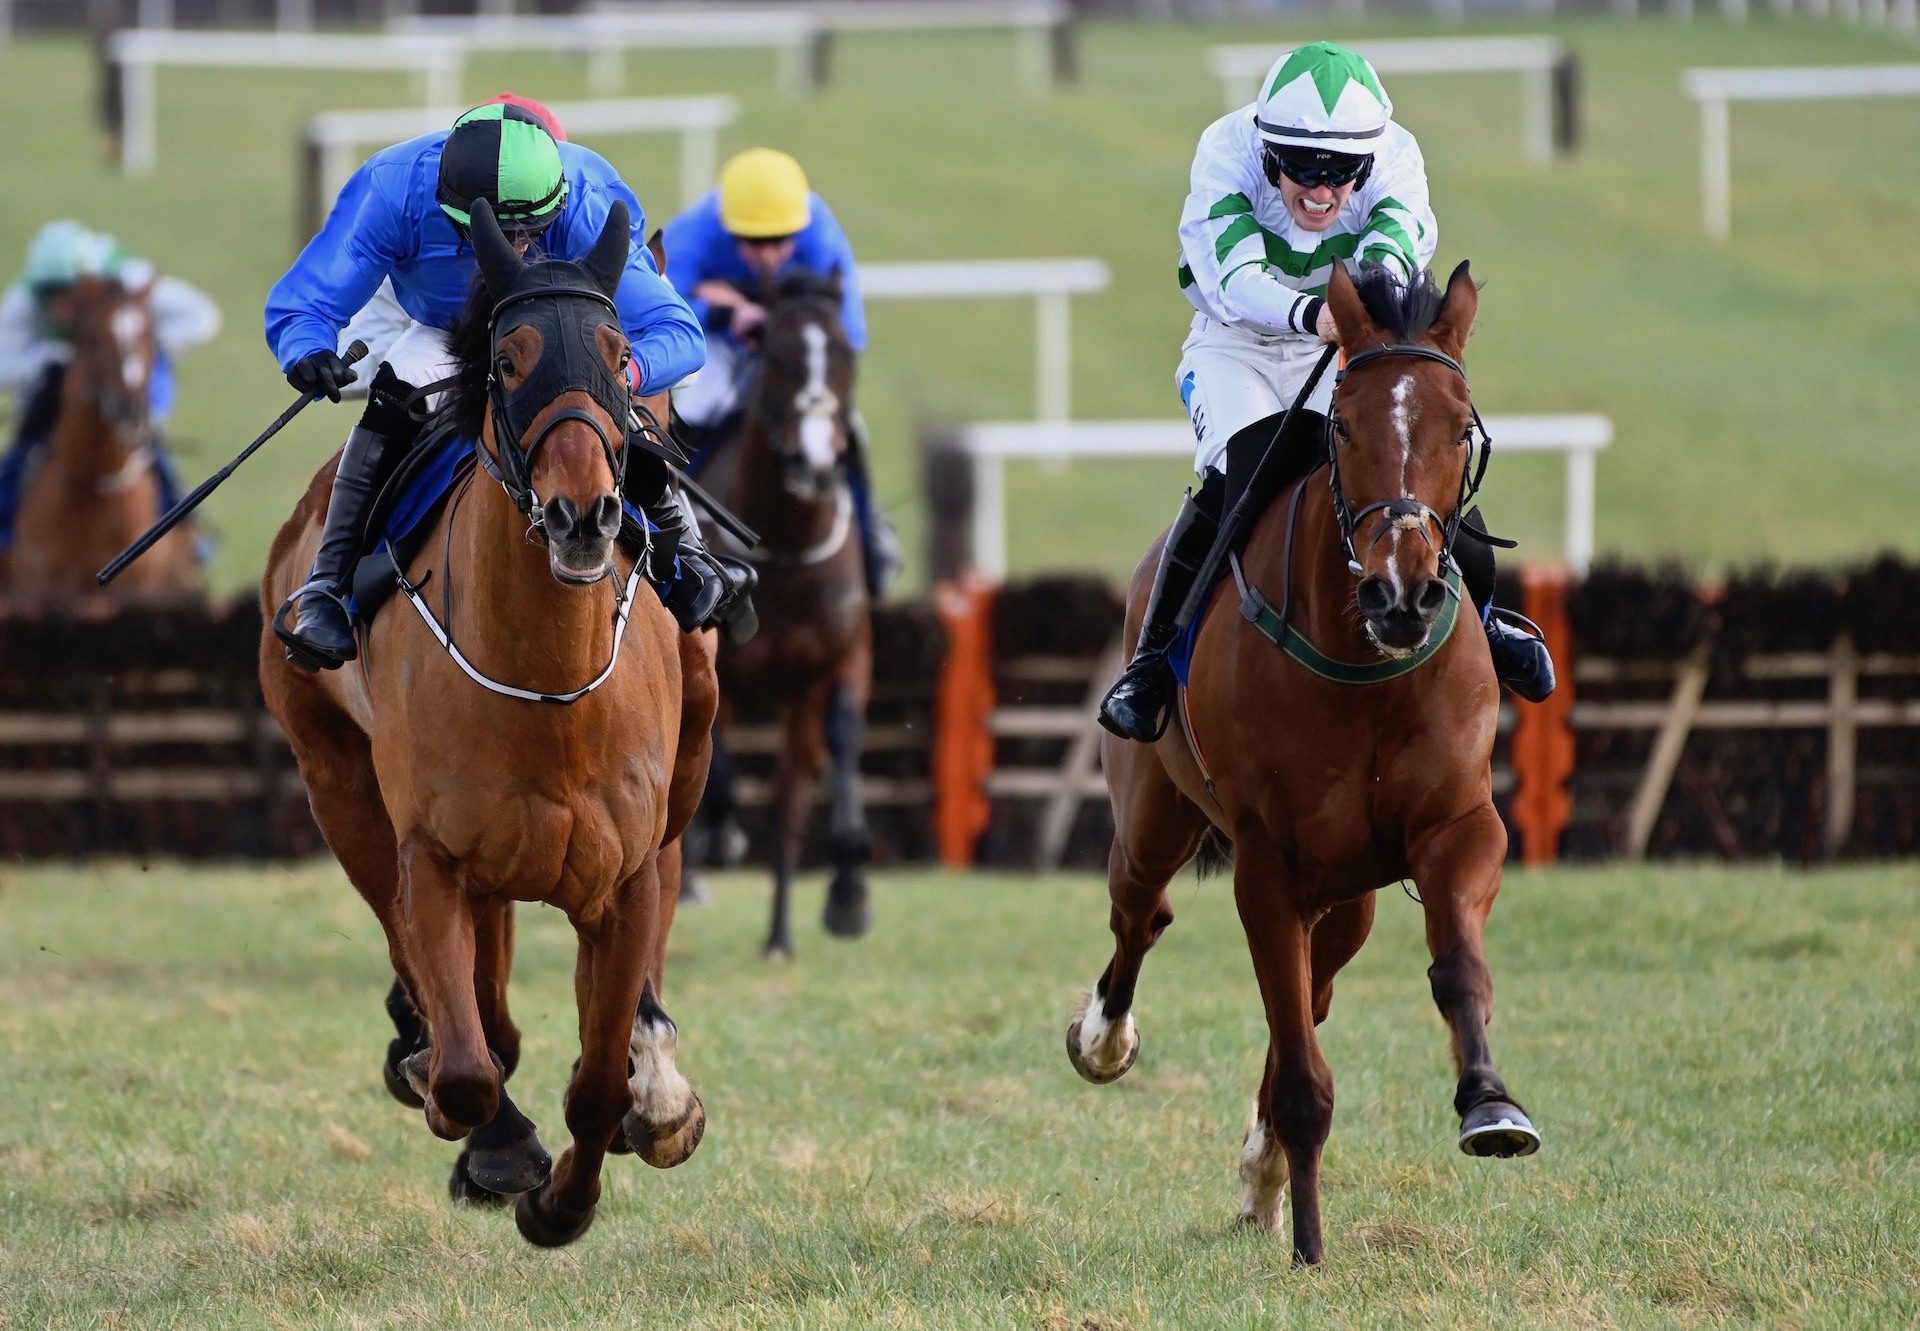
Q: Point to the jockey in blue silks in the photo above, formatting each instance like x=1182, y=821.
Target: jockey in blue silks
x=35, y=348
x=762, y=224
x=403, y=217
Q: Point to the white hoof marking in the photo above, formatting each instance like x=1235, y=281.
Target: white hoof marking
x=1106, y=1046
x=661, y=1096
x=1263, y=1175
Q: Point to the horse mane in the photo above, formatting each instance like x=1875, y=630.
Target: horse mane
x=1404, y=307
x=468, y=340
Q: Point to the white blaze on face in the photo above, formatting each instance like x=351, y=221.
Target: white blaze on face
x=816, y=404
x=129, y=334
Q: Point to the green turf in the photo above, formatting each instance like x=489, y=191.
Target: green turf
x=1723, y=1062
x=1761, y=388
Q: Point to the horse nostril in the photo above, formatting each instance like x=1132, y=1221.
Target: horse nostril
x=606, y=516
x=1430, y=598
x=560, y=517
x=1375, y=597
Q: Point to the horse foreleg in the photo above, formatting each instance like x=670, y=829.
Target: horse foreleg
x=1457, y=867
x=615, y=950
x=793, y=798
x=504, y=1155
x=847, y=914
x=1156, y=830
x=1295, y=1108
x=461, y=1085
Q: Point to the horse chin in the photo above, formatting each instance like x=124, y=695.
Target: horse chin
x=1382, y=639
x=579, y=573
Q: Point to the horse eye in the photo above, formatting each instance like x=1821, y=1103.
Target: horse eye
x=503, y=366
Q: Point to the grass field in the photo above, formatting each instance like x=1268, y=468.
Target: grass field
x=1723, y=1062
x=1762, y=389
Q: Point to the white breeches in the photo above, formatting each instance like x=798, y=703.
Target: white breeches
x=379, y=324
x=1231, y=379
x=710, y=392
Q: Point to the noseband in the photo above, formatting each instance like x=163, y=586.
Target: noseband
x=570, y=362
x=1406, y=512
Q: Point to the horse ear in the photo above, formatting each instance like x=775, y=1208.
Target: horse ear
x=609, y=256
x=1349, y=315
x=1455, y=323
x=657, y=247
x=499, y=264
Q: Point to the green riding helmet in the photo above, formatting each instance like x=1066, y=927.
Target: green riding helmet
x=502, y=154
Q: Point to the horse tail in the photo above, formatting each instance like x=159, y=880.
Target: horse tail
x=1215, y=854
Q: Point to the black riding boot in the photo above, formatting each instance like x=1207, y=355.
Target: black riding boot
x=1138, y=705
x=1520, y=657
x=321, y=637
x=710, y=590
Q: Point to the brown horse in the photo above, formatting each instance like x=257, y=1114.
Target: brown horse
x=96, y=489
x=812, y=660
x=1331, y=785
x=450, y=795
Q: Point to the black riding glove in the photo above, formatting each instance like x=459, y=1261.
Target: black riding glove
x=321, y=374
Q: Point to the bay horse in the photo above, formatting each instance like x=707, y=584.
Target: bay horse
x=449, y=795
x=785, y=474
x=1327, y=781
x=95, y=489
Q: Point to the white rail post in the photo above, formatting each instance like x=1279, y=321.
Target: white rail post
x=699, y=151
x=1716, y=169
x=155, y=13
x=1052, y=356
x=990, y=517
x=443, y=78
x=293, y=15
x=1580, y=495
x=137, y=129
x=6, y=21
x=606, y=70
x=1538, y=91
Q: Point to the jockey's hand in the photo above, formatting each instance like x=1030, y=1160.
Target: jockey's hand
x=747, y=319
x=1325, y=327
x=321, y=374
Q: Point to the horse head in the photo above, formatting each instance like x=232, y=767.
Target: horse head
x=114, y=351
x=805, y=394
x=1401, y=447
x=557, y=391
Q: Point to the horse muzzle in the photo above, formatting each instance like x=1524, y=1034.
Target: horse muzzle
x=580, y=541
x=1400, y=616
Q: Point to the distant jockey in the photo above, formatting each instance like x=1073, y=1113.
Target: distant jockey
x=403, y=217
x=35, y=314
x=727, y=254
x=1315, y=172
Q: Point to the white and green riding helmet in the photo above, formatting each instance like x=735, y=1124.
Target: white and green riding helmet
x=1324, y=101
x=63, y=252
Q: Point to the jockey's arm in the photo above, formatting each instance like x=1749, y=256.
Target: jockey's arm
x=853, y=309
x=338, y=271
x=1223, y=245
x=668, y=344
x=184, y=316
x=1401, y=230
x=21, y=359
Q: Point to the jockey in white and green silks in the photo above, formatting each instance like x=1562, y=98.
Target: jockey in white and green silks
x=1313, y=173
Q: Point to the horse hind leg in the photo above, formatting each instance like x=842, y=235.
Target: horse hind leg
x=1458, y=870
x=1157, y=831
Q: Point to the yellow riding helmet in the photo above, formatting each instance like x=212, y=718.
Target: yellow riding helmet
x=763, y=195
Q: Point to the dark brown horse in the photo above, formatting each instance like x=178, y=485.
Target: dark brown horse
x=448, y=799
x=1333, y=780
x=96, y=489
x=812, y=661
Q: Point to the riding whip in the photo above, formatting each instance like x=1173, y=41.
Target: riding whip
x=172, y=517
x=1249, y=497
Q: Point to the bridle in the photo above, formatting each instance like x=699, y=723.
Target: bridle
x=1405, y=512
x=569, y=362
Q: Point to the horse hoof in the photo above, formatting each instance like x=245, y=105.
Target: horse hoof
x=847, y=914
x=1498, y=1128
x=1085, y=1069
x=780, y=952
x=663, y=1147
x=513, y=1168
x=544, y=1230
x=465, y=1192
x=399, y=1087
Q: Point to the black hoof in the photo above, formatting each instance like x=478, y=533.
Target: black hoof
x=1498, y=1129
x=512, y=1168
x=465, y=1192
x=398, y=1086
x=1080, y=1065
x=847, y=914
x=543, y=1230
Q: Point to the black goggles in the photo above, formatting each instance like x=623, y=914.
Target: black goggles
x=1311, y=167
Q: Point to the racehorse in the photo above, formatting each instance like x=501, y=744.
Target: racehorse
x=812, y=660
x=95, y=489
x=1327, y=781
x=449, y=795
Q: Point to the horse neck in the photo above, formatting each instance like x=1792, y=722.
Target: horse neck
x=511, y=617
x=1321, y=586
x=89, y=447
